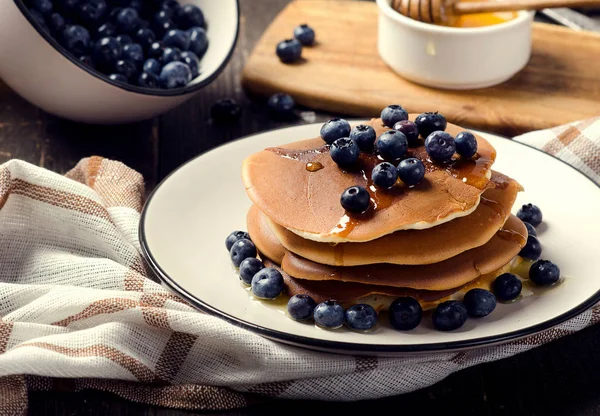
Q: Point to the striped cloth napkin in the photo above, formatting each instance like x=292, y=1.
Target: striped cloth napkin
x=79, y=310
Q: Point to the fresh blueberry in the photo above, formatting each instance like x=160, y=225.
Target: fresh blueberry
x=364, y=136
x=164, y=15
x=530, y=229
x=226, y=110
x=134, y=53
x=391, y=145
x=92, y=11
x=430, y=122
x=410, y=130
x=87, y=61
x=411, y=171
x=192, y=61
x=305, y=35
x=361, y=317
x=440, y=146
x=198, y=41
x=136, y=4
x=235, y=236
x=532, y=249
x=113, y=14
x=289, y=51
x=107, y=51
x=393, y=114
x=175, y=75
x=405, y=313
x=466, y=144
x=301, y=307
x=384, y=175
x=171, y=55
x=177, y=39
x=118, y=77
x=39, y=19
x=329, y=314
x=281, y=106
x=156, y=50
x=531, y=214
x=106, y=30
x=249, y=267
x=507, y=287
x=241, y=250
x=148, y=80
x=355, y=199
x=56, y=22
x=145, y=37
x=449, y=315
x=162, y=27
x=172, y=5
x=267, y=283
x=334, y=129
x=544, y=272
x=125, y=40
x=126, y=68
x=344, y=151
x=43, y=6
x=128, y=20
x=152, y=66
x=191, y=16
x=76, y=39
x=479, y=302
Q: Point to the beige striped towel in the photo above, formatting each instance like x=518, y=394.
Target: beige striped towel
x=79, y=310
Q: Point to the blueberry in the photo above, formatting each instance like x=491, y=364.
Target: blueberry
x=226, y=110
x=107, y=51
x=544, y=272
x=113, y=14
x=430, y=122
x=177, y=39
x=410, y=130
x=289, y=51
x=192, y=61
x=355, y=199
x=405, y=313
x=42, y=6
x=125, y=40
x=281, y=106
x=76, y=39
x=344, y=151
x=198, y=41
x=305, y=35
x=440, y=146
x=364, y=136
x=241, y=250
x=507, y=287
x=479, y=302
x=39, y=19
x=361, y=317
x=67, y=5
x=106, y=30
x=156, y=50
x=393, y=114
x=92, y=11
x=235, y=236
x=56, y=22
x=411, y=171
x=334, y=129
x=384, y=175
x=148, y=80
x=249, y=267
x=190, y=16
x=466, y=144
x=267, y=283
x=136, y=4
x=118, y=77
x=172, y=5
x=530, y=229
x=145, y=37
x=152, y=66
x=126, y=68
x=532, y=249
x=301, y=307
x=175, y=75
x=135, y=53
x=87, y=61
x=162, y=27
x=329, y=314
x=128, y=20
x=171, y=55
x=531, y=214
x=449, y=315
x=391, y=145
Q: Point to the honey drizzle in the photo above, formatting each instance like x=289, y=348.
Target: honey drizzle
x=314, y=166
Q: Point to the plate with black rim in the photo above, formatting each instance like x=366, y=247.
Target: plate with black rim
x=188, y=216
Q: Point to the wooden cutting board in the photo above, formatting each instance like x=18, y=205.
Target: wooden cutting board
x=343, y=74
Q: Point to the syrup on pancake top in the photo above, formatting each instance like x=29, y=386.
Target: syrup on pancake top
x=299, y=185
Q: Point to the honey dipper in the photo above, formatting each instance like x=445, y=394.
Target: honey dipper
x=441, y=11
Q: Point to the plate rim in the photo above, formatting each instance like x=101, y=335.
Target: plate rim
x=342, y=346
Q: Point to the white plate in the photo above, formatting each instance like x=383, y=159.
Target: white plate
x=186, y=220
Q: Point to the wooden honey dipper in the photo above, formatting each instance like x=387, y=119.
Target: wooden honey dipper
x=441, y=11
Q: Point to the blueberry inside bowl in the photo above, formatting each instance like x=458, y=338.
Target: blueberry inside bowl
x=87, y=60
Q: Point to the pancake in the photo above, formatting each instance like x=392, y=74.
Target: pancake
x=288, y=186
x=413, y=247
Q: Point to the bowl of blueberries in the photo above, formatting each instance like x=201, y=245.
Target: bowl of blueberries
x=114, y=61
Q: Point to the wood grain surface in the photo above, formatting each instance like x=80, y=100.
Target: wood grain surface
x=344, y=74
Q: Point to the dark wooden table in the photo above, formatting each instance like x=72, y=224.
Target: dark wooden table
x=561, y=378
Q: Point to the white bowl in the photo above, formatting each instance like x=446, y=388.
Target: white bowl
x=39, y=69
x=453, y=58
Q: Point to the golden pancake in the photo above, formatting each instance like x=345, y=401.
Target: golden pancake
x=413, y=247
x=298, y=186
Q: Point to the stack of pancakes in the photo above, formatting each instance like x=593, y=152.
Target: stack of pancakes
x=452, y=232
